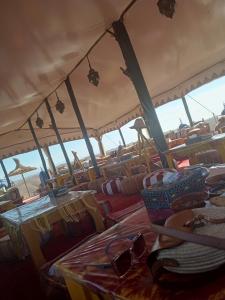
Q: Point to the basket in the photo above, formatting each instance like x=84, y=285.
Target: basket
x=158, y=200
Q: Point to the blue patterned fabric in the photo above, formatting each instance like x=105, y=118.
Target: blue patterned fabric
x=162, y=197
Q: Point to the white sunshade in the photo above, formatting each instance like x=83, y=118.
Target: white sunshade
x=41, y=42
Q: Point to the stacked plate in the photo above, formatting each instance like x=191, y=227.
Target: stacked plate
x=218, y=200
x=193, y=258
x=216, y=175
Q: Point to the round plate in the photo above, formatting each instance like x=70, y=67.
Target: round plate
x=218, y=201
x=215, y=179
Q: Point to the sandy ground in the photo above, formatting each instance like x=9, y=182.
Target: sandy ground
x=32, y=181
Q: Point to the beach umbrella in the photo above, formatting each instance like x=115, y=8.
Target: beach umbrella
x=20, y=170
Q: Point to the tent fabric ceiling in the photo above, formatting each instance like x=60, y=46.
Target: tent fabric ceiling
x=41, y=42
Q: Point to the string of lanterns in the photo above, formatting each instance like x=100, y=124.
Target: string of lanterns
x=166, y=7
x=60, y=107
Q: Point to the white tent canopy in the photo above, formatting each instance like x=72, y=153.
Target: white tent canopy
x=42, y=41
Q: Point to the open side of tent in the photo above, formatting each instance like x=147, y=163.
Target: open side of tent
x=43, y=41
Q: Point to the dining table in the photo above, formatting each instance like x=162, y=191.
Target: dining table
x=122, y=167
x=188, y=150
x=27, y=223
x=85, y=280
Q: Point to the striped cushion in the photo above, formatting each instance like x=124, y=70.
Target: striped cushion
x=164, y=176
x=111, y=187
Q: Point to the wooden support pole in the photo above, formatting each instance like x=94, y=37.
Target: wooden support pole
x=5, y=173
x=82, y=126
x=38, y=147
x=187, y=111
x=122, y=137
x=54, y=126
x=137, y=78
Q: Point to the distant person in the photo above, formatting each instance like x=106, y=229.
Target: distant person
x=182, y=126
x=43, y=178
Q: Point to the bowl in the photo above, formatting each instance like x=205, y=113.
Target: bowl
x=188, y=201
x=215, y=180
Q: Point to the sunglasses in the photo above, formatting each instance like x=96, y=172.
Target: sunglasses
x=123, y=262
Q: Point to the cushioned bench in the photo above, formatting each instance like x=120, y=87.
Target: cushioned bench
x=115, y=217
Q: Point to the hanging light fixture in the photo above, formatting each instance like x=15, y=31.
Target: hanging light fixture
x=125, y=72
x=167, y=7
x=39, y=122
x=60, y=106
x=93, y=75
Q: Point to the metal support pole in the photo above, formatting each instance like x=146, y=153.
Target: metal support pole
x=82, y=126
x=50, y=160
x=54, y=126
x=122, y=137
x=5, y=173
x=38, y=147
x=137, y=78
x=187, y=111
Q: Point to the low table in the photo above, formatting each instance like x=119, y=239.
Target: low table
x=86, y=282
x=188, y=150
x=123, y=167
x=29, y=221
x=82, y=278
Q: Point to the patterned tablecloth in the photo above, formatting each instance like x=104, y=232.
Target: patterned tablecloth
x=138, y=284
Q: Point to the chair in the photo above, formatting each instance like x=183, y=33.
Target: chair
x=93, y=209
x=12, y=194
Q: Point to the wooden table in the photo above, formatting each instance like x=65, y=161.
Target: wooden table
x=122, y=168
x=215, y=142
x=86, y=282
x=28, y=221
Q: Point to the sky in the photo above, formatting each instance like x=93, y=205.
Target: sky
x=211, y=95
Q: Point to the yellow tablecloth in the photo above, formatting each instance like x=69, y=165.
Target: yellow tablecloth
x=26, y=223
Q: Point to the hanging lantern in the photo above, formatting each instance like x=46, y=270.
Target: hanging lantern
x=93, y=75
x=125, y=72
x=39, y=122
x=60, y=106
x=167, y=7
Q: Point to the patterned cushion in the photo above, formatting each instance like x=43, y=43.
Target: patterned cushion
x=160, y=176
x=111, y=187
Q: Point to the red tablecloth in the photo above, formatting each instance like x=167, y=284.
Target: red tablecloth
x=138, y=284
